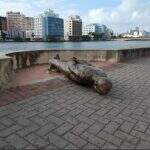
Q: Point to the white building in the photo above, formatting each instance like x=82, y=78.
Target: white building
x=137, y=33
x=29, y=27
x=97, y=29
x=94, y=28
x=73, y=28
x=38, y=27
x=144, y=34
x=30, y=34
x=90, y=28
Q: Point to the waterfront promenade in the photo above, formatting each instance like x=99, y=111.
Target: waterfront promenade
x=63, y=115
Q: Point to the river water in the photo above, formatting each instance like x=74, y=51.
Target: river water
x=7, y=47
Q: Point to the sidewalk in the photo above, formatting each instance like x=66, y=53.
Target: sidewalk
x=64, y=115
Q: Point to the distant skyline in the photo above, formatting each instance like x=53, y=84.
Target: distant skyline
x=119, y=15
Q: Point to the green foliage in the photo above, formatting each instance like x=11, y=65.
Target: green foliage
x=86, y=38
x=53, y=38
x=120, y=36
x=96, y=36
x=33, y=35
x=18, y=39
x=3, y=35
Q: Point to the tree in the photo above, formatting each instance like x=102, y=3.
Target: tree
x=86, y=38
x=33, y=35
x=18, y=39
x=120, y=36
x=3, y=35
x=96, y=36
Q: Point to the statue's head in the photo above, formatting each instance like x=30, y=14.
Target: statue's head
x=102, y=85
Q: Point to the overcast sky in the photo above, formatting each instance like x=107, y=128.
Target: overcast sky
x=120, y=15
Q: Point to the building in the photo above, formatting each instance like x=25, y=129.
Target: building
x=15, y=20
x=54, y=28
x=94, y=28
x=39, y=27
x=90, y=28
x=97, y=30
x=73, y=28
x=15, y=25
x=48, y=26
x=3, y=23
x=3, y=28
x=28, y=23
x=136, y=33
x=29, y=27
x=144, y=34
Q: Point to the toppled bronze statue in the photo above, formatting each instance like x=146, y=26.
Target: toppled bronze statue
x=82, y=73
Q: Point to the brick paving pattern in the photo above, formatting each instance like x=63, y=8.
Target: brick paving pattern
x=73, y=117
x=19, y=93
x=33, y=74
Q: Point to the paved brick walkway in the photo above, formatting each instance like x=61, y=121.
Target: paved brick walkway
x=73, y=116
x=20, y=93
x=32, y=75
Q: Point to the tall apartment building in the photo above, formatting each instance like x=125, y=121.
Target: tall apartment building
x=54, y=28
x=29, y=27
x=15, y=24
x=48, y=26
x=39, y=27
x=73, y=28
x=28, y=23
x=3, y=27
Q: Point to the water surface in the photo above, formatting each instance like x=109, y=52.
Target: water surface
x=7, y=47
